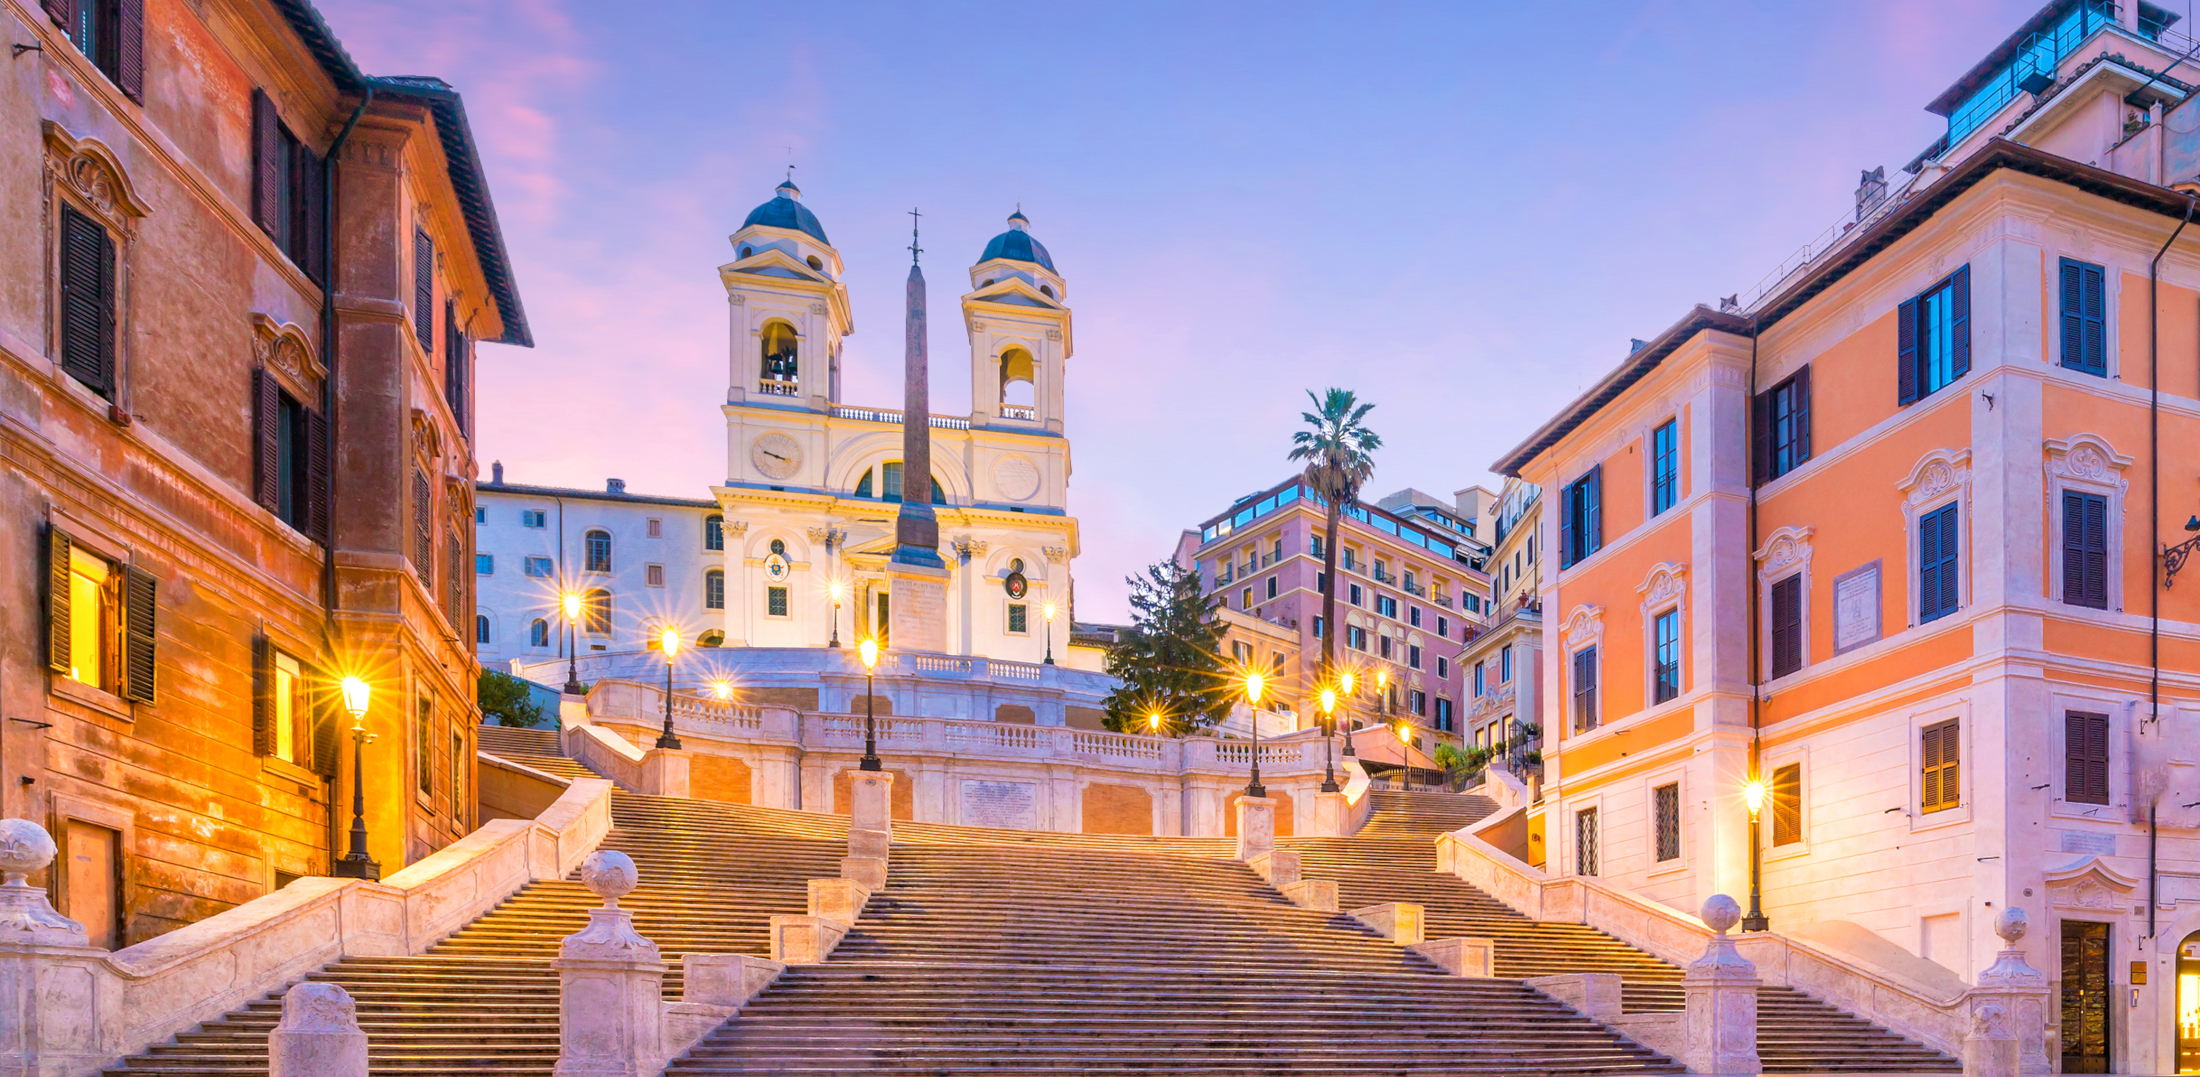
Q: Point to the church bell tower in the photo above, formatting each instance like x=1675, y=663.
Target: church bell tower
x=1019, y=324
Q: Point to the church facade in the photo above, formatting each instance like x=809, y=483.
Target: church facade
x=796, y=552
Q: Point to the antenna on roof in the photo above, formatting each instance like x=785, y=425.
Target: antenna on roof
x=914, y=250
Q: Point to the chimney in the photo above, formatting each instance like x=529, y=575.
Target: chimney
x=496, y=473
x=614, y=486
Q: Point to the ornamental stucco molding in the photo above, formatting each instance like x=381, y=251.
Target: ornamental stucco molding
x=1787, y=547
x=1056, y=554
x=2087, y=458
x=2089, y=884
x=736, y=528
x=1583, y=626
x=968, y=548
x=286, y=349
x=1935, y=474
x=1667, y=582
x=86, y=168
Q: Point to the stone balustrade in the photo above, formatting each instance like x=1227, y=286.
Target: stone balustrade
x=68, y=1009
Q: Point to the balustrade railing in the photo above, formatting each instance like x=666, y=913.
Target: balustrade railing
x=1016, y=671
x=890, y=415
x=1019, y=411
x=774, y=387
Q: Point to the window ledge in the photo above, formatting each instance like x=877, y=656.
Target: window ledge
x=284, y=768
x=98, y=699
x=1786, y=852
x=1663, y=869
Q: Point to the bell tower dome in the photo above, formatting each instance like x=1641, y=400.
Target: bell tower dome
x=1019, y=325
x=788, y=307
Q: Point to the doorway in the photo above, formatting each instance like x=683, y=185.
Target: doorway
x=2188, y=1004
x=2085, y=997
x=94, y=893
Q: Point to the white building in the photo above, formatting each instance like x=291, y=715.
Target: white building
x=808, y=504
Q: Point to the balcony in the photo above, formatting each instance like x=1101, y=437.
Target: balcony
x=1414, y=589
x=894, y=415
x=1019, y=411
x=776, y=387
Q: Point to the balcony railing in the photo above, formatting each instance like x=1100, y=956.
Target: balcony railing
x=774, y=387
x=1019, y=411
x=890, y=415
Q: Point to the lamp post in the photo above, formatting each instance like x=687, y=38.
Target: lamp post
x=868, y=651
x=1049, y=609
x=1329, y=732
x=1254, y=682
x=1404, y=730
x=1345, y=682
x=570, y=602
x=1382, y=689
x=1754, y=792
x=356, y=864
x=670, y=641
x=837, y=591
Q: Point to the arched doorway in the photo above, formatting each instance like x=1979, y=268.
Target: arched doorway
x=2188, y=1004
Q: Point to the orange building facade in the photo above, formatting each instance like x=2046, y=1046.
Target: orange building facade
x=1895, y=539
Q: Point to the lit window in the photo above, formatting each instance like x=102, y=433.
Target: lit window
x=596, y=612
x=91, y=619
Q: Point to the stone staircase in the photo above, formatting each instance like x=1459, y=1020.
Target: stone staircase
x=1394, y=813
x=1796, y=1032
x=536, y=748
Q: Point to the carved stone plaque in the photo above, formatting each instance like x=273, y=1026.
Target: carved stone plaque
x=1856, y=608
x=1003, y=804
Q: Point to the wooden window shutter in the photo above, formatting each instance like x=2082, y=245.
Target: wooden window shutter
x=267, y=415
x=318, y=478
x=1787, y=804
x=1951, y=575
x=1787, y=625
x=1760, y=438
x=1942, y=766
x=268, y=164
x=1567, y=509
x=2070, y=292
x=1594, y=517
x=130, y=48
x=1929, y=769
x=2085, y=550
x=1802, y=416
x=2096, y=759
x=58, y=550
x=2095, y=296
x=2085, y=758
x=313, y=214
x=63, y=14
x=87, y=301
x=325, y=711
x=1959, y=323
x=424, y=291
x=423, y=528
x=140, y=614
x=1905, y=364
x=263, y=697
x=454, y=365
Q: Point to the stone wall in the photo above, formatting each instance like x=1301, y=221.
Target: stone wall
x=1117, y=809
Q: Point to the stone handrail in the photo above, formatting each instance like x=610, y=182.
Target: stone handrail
x=1008, y=740
x=1675, y=936
x=130, y=999
x=656, y=771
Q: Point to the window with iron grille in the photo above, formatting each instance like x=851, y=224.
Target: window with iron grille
x=1585, y=842
x=1019, y=618
x=1667, y=808
x=775, y=602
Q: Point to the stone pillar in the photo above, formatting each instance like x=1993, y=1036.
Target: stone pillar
x=870, y=827
x=1256, y=827
x=1594, y=995
x=1398, y=921
x=2020, y=994
x=1467, y=956
x=1330, y=813
x=1721, y=990
x=318, y=1036
x=50, y=1012
x=610, y=984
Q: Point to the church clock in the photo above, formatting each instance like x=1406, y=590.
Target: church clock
x=776, y=455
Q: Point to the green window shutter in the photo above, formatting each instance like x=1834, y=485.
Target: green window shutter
x=140, y=612
x=1906, y=352
x=1959, y=323
x=58, y=548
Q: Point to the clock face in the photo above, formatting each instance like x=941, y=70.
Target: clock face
x=776, y=455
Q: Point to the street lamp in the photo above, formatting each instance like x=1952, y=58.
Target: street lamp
x=1754, y=793
x=670, y=641
x=723, y=687
x=1329, y=732
x=837, y=589
x=1254, y=682
x=1345, y=683
x=1049, y=609
x=1382, y=688
x=1153, y=721
x=868, y=651
x=570, y=602
x=356, y=864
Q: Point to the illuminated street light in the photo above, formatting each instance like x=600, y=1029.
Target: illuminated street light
x=670, y=641
x=1049, y=610
x=1329, y=732
x=570, y=603
x=1754, y=795
x=1254, y=682
x=1345, y=682
x=356, y=864
x=838, y=589
x=868, y=651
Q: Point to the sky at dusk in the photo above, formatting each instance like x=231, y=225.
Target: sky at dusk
x=1462, y=211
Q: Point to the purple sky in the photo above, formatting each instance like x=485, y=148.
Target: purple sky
x=1461, y=210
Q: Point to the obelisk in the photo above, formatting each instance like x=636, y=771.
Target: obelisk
x=917, y=576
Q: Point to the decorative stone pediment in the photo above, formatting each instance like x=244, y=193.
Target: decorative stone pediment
x=2092, y=885
x=426, y=439
x=2087, y=458
x=1786, y=548
x=1667, y=582
x=1584, y=626
x=285, y=349
x=1936, y=474
x=87, y=169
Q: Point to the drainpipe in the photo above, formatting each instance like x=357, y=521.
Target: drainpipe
x=1756, y=920
x=2154, y=531
x=328, y=343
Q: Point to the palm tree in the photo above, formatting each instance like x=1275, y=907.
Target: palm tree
x=1336, y=449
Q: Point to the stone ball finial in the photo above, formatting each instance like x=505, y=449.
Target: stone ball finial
x=1721, y=913
x=319, y=1007
x=2011, y=923
x=25, y=847
x=609, y=874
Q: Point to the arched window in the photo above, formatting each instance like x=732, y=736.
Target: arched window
x=538, y=633
x=863, y=485
x=1047, y=290
x=714, y=590
x=596, y=612
x=599, y=551
x=890, y=484
x=714, y=532
x=712, y=639
x=1019, y=378
x=481, y=628
x=779, y=351
x=779, y=546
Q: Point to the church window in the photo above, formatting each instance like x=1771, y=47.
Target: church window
x=538, y=633
x=779, y=350
x=596, y=612
x=1047, y=290
x=779, y=546
x=712, y=639
x=746, y=251
x=714, y=590
x=1018, y=377
x=599, y=551
x=890, y=481
x=775, y=602
x=714, y=532
x=863, y=485
x=1019, y=618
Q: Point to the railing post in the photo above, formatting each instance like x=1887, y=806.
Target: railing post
x=1721, y=991
x=319, y=1035
x=2008, y=1010
x=53, y=1007
x=610, y=983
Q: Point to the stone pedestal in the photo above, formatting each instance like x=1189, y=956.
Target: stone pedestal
x=838, y=899
x=610, y=984
x=1398, y=921
x=1721, y=990
x=50, y=1005
x=805, y=940
x=1330, y=814
x=1319, y=895
x=319, y=1035
x=1594, y=995
x=868, y=871
x=918, y=614
x=1256, y=827
x=1467, y=956
x=1280, y=867
x=2020, y=993
x=870, y=807
x=725, y=980
x=665, y=772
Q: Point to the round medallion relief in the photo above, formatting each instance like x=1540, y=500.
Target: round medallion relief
x=1016, y=478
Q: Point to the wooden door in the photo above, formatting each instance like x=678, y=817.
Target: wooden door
x=2085, y=997
x=95, y=882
